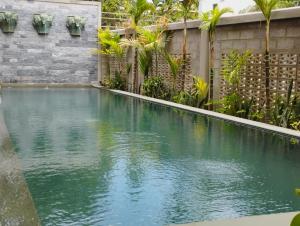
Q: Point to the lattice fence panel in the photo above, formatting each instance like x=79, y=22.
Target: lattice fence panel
x=162, y=70
x=284, y=67
x=116, y=65
x=165, y=71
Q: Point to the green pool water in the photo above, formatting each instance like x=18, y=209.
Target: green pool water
x=91, y=157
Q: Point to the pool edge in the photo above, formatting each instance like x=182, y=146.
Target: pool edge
x=19, y=207
x=42, y=85
x=251, y=123
x=279, y=219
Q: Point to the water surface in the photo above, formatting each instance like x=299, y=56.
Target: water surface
x=91, y=157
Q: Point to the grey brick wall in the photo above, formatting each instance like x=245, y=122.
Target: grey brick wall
x=26, y=57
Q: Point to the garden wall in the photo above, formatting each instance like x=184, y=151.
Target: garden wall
x=246, y=32
x=26, y=57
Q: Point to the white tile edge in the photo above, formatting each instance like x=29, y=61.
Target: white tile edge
x=265, y=126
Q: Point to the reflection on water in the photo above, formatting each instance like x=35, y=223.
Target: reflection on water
x=94, y=158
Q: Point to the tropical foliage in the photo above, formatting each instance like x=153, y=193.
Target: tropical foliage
x=234, y=65
x=110, y=46
x=286, y=111
x=209, y=21
x=266, y=7
x=117, y=82
x=196, y=96
x=155, y=87
x=175, y=64
x=233, y=103
x=186, y=7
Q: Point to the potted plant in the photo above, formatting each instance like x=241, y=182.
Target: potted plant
x=42, y=23
x=75, y=25
x=8, y=21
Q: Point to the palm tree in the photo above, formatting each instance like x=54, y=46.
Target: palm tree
x=153, y=41
x=147, y=43
x=186, y=7
x=136, y=9
x=175, y=64
x=266, y=6
x=210, y=19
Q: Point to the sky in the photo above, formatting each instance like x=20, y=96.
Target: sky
x=236, y=5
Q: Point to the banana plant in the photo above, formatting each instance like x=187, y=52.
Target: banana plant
x=75, y=25
x=8, y=21
x=42, y=23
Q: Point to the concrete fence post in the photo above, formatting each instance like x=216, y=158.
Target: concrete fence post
x=204, y=55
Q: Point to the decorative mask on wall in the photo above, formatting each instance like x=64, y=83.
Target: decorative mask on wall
x=8, y=21
x=75, y=24
x=42, y=23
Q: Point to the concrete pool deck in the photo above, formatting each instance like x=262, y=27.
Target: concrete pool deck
x=281, y=219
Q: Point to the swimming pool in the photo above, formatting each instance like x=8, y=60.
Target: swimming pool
x=91, y=157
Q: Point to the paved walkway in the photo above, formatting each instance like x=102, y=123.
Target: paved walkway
x=281, y=219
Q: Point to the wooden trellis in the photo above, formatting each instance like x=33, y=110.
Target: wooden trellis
x=284, y=67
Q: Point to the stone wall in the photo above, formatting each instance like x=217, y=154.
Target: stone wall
x=26, y=57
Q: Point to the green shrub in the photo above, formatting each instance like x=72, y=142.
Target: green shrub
x=183, y=97
x=117, y=82
x=155, y=87
x=286, y=111
x=196, y=97
x=233, y=104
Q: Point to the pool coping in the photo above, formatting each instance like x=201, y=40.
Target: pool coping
x=251, y=123
x=279, y=219
x=19, y=201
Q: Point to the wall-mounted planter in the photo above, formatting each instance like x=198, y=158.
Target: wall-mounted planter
x=8, y=21
x=42, y=23
x=75, y=25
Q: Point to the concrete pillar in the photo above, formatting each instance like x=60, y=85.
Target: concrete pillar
x=204, y=55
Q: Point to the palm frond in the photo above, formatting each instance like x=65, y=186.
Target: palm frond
x=131, y=42
x=210, y=19
x=137, y=8
x=145, y=62
x=266, y=6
